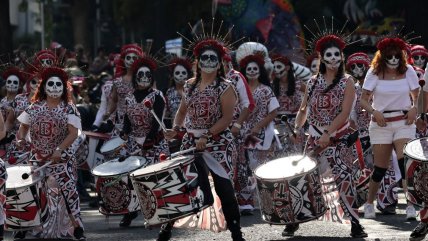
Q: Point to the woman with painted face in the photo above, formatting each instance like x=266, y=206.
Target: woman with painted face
x=327, y=106
x=3, y=177
x=52, y=122
x=289, y=91
x=122, y=86
x=258, y=130
x=313, y=63
x=206, y=112
x=390, y=81
x=144, y=135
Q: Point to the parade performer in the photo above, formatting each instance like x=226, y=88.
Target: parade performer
x=3, y=177
x=206, y=111
x=389, y=81
x=144, y=135
x=52, y=122
x=122, y=86
x=312, y=63
x=419, y=55
x=327, y=106
x=14, y=79
x=289, y=91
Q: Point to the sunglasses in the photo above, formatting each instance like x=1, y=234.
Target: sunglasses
x=51, y=83
x=205, y=57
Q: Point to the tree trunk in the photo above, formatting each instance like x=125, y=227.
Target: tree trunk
x=79, y=16
x=5, y=29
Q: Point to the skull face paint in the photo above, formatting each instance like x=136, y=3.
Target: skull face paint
x=144, y=77
x=129, y=59
x=33, y=85
x=54, y=87
x=392, y=61
x=208, y=61
x=252, y=71
x=419, y=61
x=315, y=66
x=12, y=83
x=358, y=70
x=180, y=74
x=279, y=69
x=332, y=58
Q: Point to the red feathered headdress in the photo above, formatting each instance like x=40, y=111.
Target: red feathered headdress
x=419, y=50
x=53, y=71
x=281, y=58
x=131, y=48
x=13, y=70
x=186, y=63
x=45, y=54
x=144, y=61
x=209, y=43
x=257, y=58
x=321, y=43
x=391, y=42
x=358, y=58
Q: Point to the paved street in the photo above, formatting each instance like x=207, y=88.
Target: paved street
x=391, y=227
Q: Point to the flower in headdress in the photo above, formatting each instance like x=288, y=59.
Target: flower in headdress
x=186, y=63
x=147, y=61
x=392, y=43
x=358, y=58
x=322, y=42
x=13, y=70
x=48, y=72
x=257, y=58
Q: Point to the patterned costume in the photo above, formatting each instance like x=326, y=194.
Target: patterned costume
x=124, y=88
x=323, y=107
x=173, y=99
x=48, y=128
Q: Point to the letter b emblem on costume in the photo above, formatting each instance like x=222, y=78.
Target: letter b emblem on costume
x=323, y=101
x=45, y=129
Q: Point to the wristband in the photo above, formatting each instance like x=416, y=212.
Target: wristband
x=237, y=125
x=59, y=149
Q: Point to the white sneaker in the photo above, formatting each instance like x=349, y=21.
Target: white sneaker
x=369, y=211
x=410, y=213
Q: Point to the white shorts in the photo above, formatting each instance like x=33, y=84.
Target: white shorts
x=393, y=131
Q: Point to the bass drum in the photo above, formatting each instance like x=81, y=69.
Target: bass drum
x=416, y=161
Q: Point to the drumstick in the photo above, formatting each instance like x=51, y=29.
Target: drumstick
x=20, y=158
x=148, y=104
x=284, y=118
x=179, y=153
x=422, y=83
x=27, y=175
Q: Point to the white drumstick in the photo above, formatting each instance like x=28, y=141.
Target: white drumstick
x=148, y=104
x=27, y=175
x=179, y=153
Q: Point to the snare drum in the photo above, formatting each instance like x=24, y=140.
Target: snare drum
x=416, y=158
x=289, y=190
x=113, y=148
x=170, y=190
x=113, y=186
x=26, y=205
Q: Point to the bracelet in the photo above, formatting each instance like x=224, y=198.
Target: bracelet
x=59, y=149
x=207, y=134
x=237, y=125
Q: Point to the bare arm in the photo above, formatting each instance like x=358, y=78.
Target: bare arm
x=10, y=120
x=2, y=128
x=181, y=114
x=303, y=111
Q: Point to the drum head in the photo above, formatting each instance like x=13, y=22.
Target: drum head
x=165, y=165
x=115, y=167
x=417, y=149
x=15, y=180
x=285, y=167
x=111, y=144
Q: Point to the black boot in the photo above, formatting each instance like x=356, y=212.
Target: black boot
x=165, y=232
x=290, y=229
x=127, y=219
x=419, y=232
x=78, y=234
x=1, y=231
x=357, y=231
x=235, y=228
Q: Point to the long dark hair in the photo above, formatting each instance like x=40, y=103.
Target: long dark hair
x=379, y=61
x=323, y=68
x=45, y=75
x=290, y=78
x=220, y=72
x=264, y=76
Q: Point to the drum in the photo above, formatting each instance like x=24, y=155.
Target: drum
x=416, y=161
x=113, y=185
x=289, y=190
x=91, y=146
x=170, y=190
x=26, y=204
x=113, y=148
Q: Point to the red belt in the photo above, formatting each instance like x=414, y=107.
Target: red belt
x=391, y=119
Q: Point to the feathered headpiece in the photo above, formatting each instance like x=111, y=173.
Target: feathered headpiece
x=395, y=39
x=48, y=72
x=419, y=50
x=131, y=48
x=185, y=62
x=321, y=38
x=13, y=70
x=281, y=58
x=257, y=58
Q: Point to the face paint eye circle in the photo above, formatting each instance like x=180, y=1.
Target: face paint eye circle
x=58, y=84
x=51, y=83
x=328, y=54
x=337, y=54
x=15, y=82
x=33, y=82
x=177, y=72
x=148, y=75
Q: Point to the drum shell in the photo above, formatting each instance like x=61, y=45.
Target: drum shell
x=155, y=194
x=291, y=200
x=114, y=151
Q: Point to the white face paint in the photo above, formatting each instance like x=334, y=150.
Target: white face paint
x=144, y=77
x=332, y=58
x=12, y=83
x=358, y=70
x=419, y=61
x=33, y=85
x=180, y=74
x=129, y=59
x=314, y=66
x=392, y=61
x=252, y=71
x=279, y=69
x=208, y=61
x=46, y=62
x=54, y=87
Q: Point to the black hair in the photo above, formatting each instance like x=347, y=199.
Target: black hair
x=323, y=68
x=291, y=89
x=264, y=76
